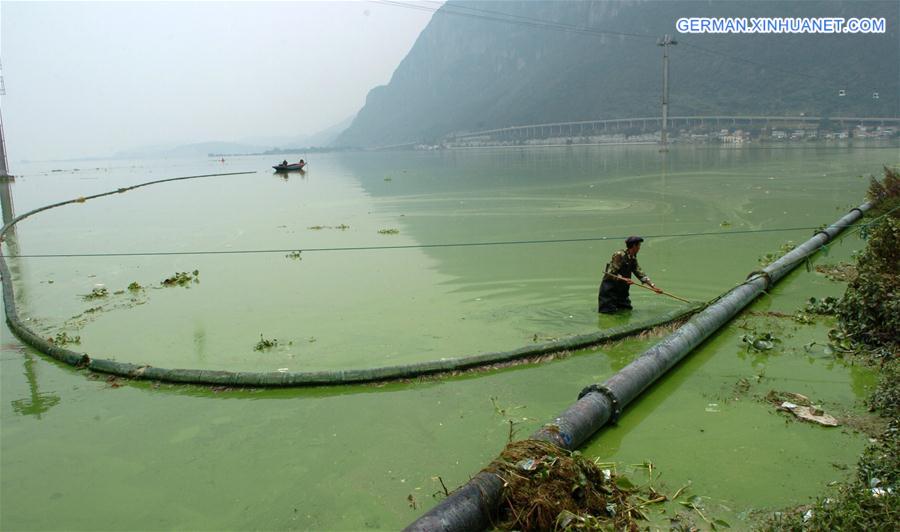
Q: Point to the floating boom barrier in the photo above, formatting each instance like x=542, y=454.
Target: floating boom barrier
x=299, y=378
x=472, y=506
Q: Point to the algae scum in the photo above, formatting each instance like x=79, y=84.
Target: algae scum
x=377, y=456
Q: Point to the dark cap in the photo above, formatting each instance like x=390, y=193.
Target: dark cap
x=632, y=240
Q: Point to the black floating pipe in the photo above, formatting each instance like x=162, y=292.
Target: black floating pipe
x=471, y=506
x=293, y=378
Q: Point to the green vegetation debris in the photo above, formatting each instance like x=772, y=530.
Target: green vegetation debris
x=264, y=343
x=135, y=286
x=182, y=279
x=804, y=318
x=63, y=338
x=842, y=272
x=725, y=223
x=342, y=227
x=294, y=255
x=388, y=231
x=763, y=342
x=548, y=488
x=827, y=306
x=769, y=258
x=98, y=292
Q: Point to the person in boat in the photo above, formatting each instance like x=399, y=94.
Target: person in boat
x=302, y=163
x=284, y=162
x=613, y=295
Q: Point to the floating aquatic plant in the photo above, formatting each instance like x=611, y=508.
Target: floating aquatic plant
x=769, y=258
x=182, y=279
x=763, y=342
x=265, y=344
x=388, y=231
x=825, y=306
x=97, y=293
x=63, y=338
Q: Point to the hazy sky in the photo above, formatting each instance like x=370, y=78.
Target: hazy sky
x=91, y=78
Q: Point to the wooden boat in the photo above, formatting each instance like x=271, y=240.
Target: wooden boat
x=293, y=167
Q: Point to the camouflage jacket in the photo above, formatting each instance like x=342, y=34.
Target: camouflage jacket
x=624, y=265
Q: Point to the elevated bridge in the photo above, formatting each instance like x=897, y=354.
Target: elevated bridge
x=650, y=124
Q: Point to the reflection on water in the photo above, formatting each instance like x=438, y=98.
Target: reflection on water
x=37, y=402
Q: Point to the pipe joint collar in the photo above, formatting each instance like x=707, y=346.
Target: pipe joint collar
x=610, y=396
x=827, y=236
x=764, y=274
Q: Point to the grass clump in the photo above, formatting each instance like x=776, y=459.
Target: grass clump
x=389, y=231
x=549, y=488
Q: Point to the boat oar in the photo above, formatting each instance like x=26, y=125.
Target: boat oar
x=629, y=281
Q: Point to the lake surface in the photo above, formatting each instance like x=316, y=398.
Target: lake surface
x=79, y=453
x=353, y=308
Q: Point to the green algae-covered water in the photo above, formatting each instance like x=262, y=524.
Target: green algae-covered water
x=85, y=454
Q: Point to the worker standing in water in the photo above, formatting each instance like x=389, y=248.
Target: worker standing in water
x=613, y=295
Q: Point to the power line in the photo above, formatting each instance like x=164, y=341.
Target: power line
x=510, y=18
x=408, y=246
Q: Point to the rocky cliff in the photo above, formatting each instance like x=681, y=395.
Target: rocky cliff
x=481, y=65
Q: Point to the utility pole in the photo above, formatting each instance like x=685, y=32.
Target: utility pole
x=665, y=42
x=4, y=169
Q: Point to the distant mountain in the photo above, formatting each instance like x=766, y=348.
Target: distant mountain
x=328, y=135
x=319, y=138
x=495, y=67
x=245, y=146
x=199, y=149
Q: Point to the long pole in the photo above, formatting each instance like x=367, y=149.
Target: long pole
x=657, y=290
